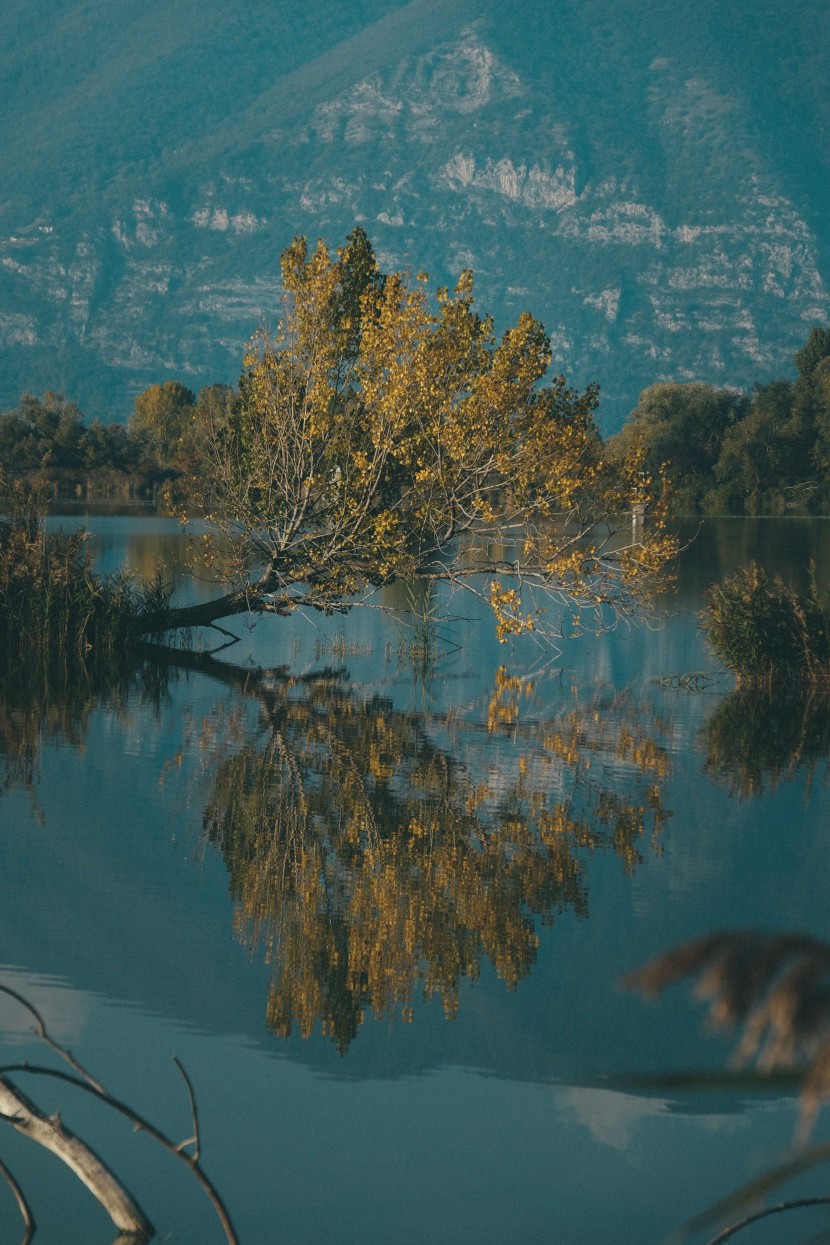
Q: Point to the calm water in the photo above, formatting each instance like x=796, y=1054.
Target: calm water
x=380, y=908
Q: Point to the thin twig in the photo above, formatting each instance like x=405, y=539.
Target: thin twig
x=195, y=1140
x=801, y=1202
x=44, y=1035
x=28, y=1217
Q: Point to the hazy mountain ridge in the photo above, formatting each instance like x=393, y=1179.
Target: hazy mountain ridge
x=655, y=233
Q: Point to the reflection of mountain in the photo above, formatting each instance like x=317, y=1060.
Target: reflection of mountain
x=657, y=200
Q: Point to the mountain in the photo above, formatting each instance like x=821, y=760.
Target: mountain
x=649, y=179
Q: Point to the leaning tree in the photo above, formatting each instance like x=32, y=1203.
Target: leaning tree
x=381, y=434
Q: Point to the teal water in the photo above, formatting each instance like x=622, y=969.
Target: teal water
x=435, y=878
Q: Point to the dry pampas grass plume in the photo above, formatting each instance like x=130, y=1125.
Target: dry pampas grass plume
x=773, y=988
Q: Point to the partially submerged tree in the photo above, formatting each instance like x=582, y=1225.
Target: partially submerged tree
x=378, y=435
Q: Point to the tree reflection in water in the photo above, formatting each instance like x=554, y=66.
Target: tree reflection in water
x=376, y=865
x=378, y=855
x=760, y=737
x=44, y=701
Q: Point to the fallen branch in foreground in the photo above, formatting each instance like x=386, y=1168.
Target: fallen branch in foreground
x=50, y=1132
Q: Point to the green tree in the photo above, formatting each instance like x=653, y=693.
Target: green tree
x=42, y=432
x=109, y=447
x=768, y=459
x=776, y=458
x=813, y=354
x=683, y=426
x=821, y=450
x=812, y=407
x=19, y=446
x=162, y=418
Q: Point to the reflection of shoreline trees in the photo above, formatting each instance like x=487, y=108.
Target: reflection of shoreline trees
x=376, y=866
x=45, y=701
x=758, y=737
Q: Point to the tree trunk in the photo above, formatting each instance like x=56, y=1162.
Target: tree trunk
x=48, y=1131
x=202, y=615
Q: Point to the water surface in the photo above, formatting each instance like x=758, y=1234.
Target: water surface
x=379, y=902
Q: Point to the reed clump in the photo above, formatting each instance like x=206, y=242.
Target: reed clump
x=52, y=600
x=768, y=632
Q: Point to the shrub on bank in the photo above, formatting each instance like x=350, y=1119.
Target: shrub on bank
x=766, y=631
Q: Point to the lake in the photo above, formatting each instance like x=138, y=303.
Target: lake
x=375, y=880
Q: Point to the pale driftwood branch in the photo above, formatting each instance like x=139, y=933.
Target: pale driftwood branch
x=143, y=1125
x=25, y=1210
x=17, y=1110
x=49, y=1132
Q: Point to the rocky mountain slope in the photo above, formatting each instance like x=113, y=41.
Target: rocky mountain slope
x=651, y=182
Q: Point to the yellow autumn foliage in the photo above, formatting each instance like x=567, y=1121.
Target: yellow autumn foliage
x=380, y=433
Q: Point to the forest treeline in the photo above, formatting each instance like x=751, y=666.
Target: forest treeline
x=728, y=452
x=47, y=439
x=725, y=451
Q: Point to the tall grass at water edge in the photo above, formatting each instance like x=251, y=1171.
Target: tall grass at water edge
x=767, y=632
x=52, y=600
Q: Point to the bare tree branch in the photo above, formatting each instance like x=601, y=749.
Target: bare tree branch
x=142, y=1125
x=25, y=1211
x=44, y=1035
x=195, y=1140
x=800, y=1203
x=23, y=1115
x=49, y=1132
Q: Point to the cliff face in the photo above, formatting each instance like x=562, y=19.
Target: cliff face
x=651, y=185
